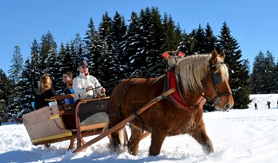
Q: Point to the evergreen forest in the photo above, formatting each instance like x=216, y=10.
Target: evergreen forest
x=116, y=50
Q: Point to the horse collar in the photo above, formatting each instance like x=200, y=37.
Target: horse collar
x=176, y=98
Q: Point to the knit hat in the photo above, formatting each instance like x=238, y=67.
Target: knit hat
x=83, y=63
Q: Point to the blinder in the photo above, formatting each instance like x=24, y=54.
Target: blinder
x=216, y=77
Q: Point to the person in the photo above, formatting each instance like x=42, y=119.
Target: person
x=86, y=86
x=268, y=104
x=256, y=108
x=67, y=80
x=45, y=91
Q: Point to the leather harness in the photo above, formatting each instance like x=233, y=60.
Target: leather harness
x=176, y=98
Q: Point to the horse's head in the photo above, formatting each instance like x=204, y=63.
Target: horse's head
x=216, y=82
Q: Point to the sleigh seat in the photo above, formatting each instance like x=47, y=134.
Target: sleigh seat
x=61, y=122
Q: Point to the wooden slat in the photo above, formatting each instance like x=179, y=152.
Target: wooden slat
x=93, y=126
x=52, y=137
x=62, y=97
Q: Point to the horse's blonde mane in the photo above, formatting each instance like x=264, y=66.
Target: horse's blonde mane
x=194, y=68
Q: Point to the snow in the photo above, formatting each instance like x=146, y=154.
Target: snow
x=242, y=136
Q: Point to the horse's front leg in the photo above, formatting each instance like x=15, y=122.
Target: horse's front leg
x=158, y=137
x=133, y=143
x=201, y=137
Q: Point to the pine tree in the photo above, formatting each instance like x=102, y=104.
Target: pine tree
x=48, y=46
x=35, y=71
x=106, y=55
x=14, y=77
x=131, y=46
x=78, y=46
x=4, y=92
x=172, y=34
x=118, y=33
x=258, y=74
x=275, y=79
x=92, y=52
x=17, y=65
x=239, y=77
x=151, y=39
x=77, y=51
x=187, y=43
x=263, y=74
x=209, y=40
x=26, y=92
x=269, y=69
x=156, y=44
x=200, y=41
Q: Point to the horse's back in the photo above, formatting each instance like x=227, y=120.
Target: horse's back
x=134, y=92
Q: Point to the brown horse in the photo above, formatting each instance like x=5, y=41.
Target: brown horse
x=198, y=78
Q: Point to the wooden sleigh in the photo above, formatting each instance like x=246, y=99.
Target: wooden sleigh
x=63, y=122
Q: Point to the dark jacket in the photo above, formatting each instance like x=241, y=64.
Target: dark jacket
x=40, y=99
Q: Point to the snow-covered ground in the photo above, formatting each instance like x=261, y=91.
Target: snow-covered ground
x=242, y=136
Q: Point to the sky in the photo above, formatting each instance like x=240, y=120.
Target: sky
x=252, y=23
x=241, y=136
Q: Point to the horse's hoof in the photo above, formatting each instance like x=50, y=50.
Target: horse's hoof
x=208, y=148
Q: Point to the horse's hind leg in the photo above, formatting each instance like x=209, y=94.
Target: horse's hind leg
x=201, y=137
x=133, y=143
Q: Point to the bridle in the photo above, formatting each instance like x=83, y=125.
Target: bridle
x=216, y=79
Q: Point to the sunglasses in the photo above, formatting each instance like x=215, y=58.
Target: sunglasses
x=84, y=66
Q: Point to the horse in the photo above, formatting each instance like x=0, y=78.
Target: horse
x=196, y=79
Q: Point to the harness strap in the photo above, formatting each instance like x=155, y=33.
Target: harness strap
x=141, y=122
x=118, y=112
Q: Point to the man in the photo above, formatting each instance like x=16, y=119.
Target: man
x=67, y=79
x=86, y=86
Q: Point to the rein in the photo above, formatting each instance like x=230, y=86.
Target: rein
x=133, y=75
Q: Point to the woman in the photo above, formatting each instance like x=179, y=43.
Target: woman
x=45, y=91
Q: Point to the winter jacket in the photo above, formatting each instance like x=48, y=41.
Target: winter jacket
x=69, y=91
x=40, y=100
x=81, y=82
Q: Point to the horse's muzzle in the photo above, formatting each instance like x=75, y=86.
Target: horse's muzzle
x=227, y=107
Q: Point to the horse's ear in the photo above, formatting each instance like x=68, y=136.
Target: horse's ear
x=222, y=55
x=214, y=56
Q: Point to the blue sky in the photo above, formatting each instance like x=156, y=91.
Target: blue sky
x=253, y=23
